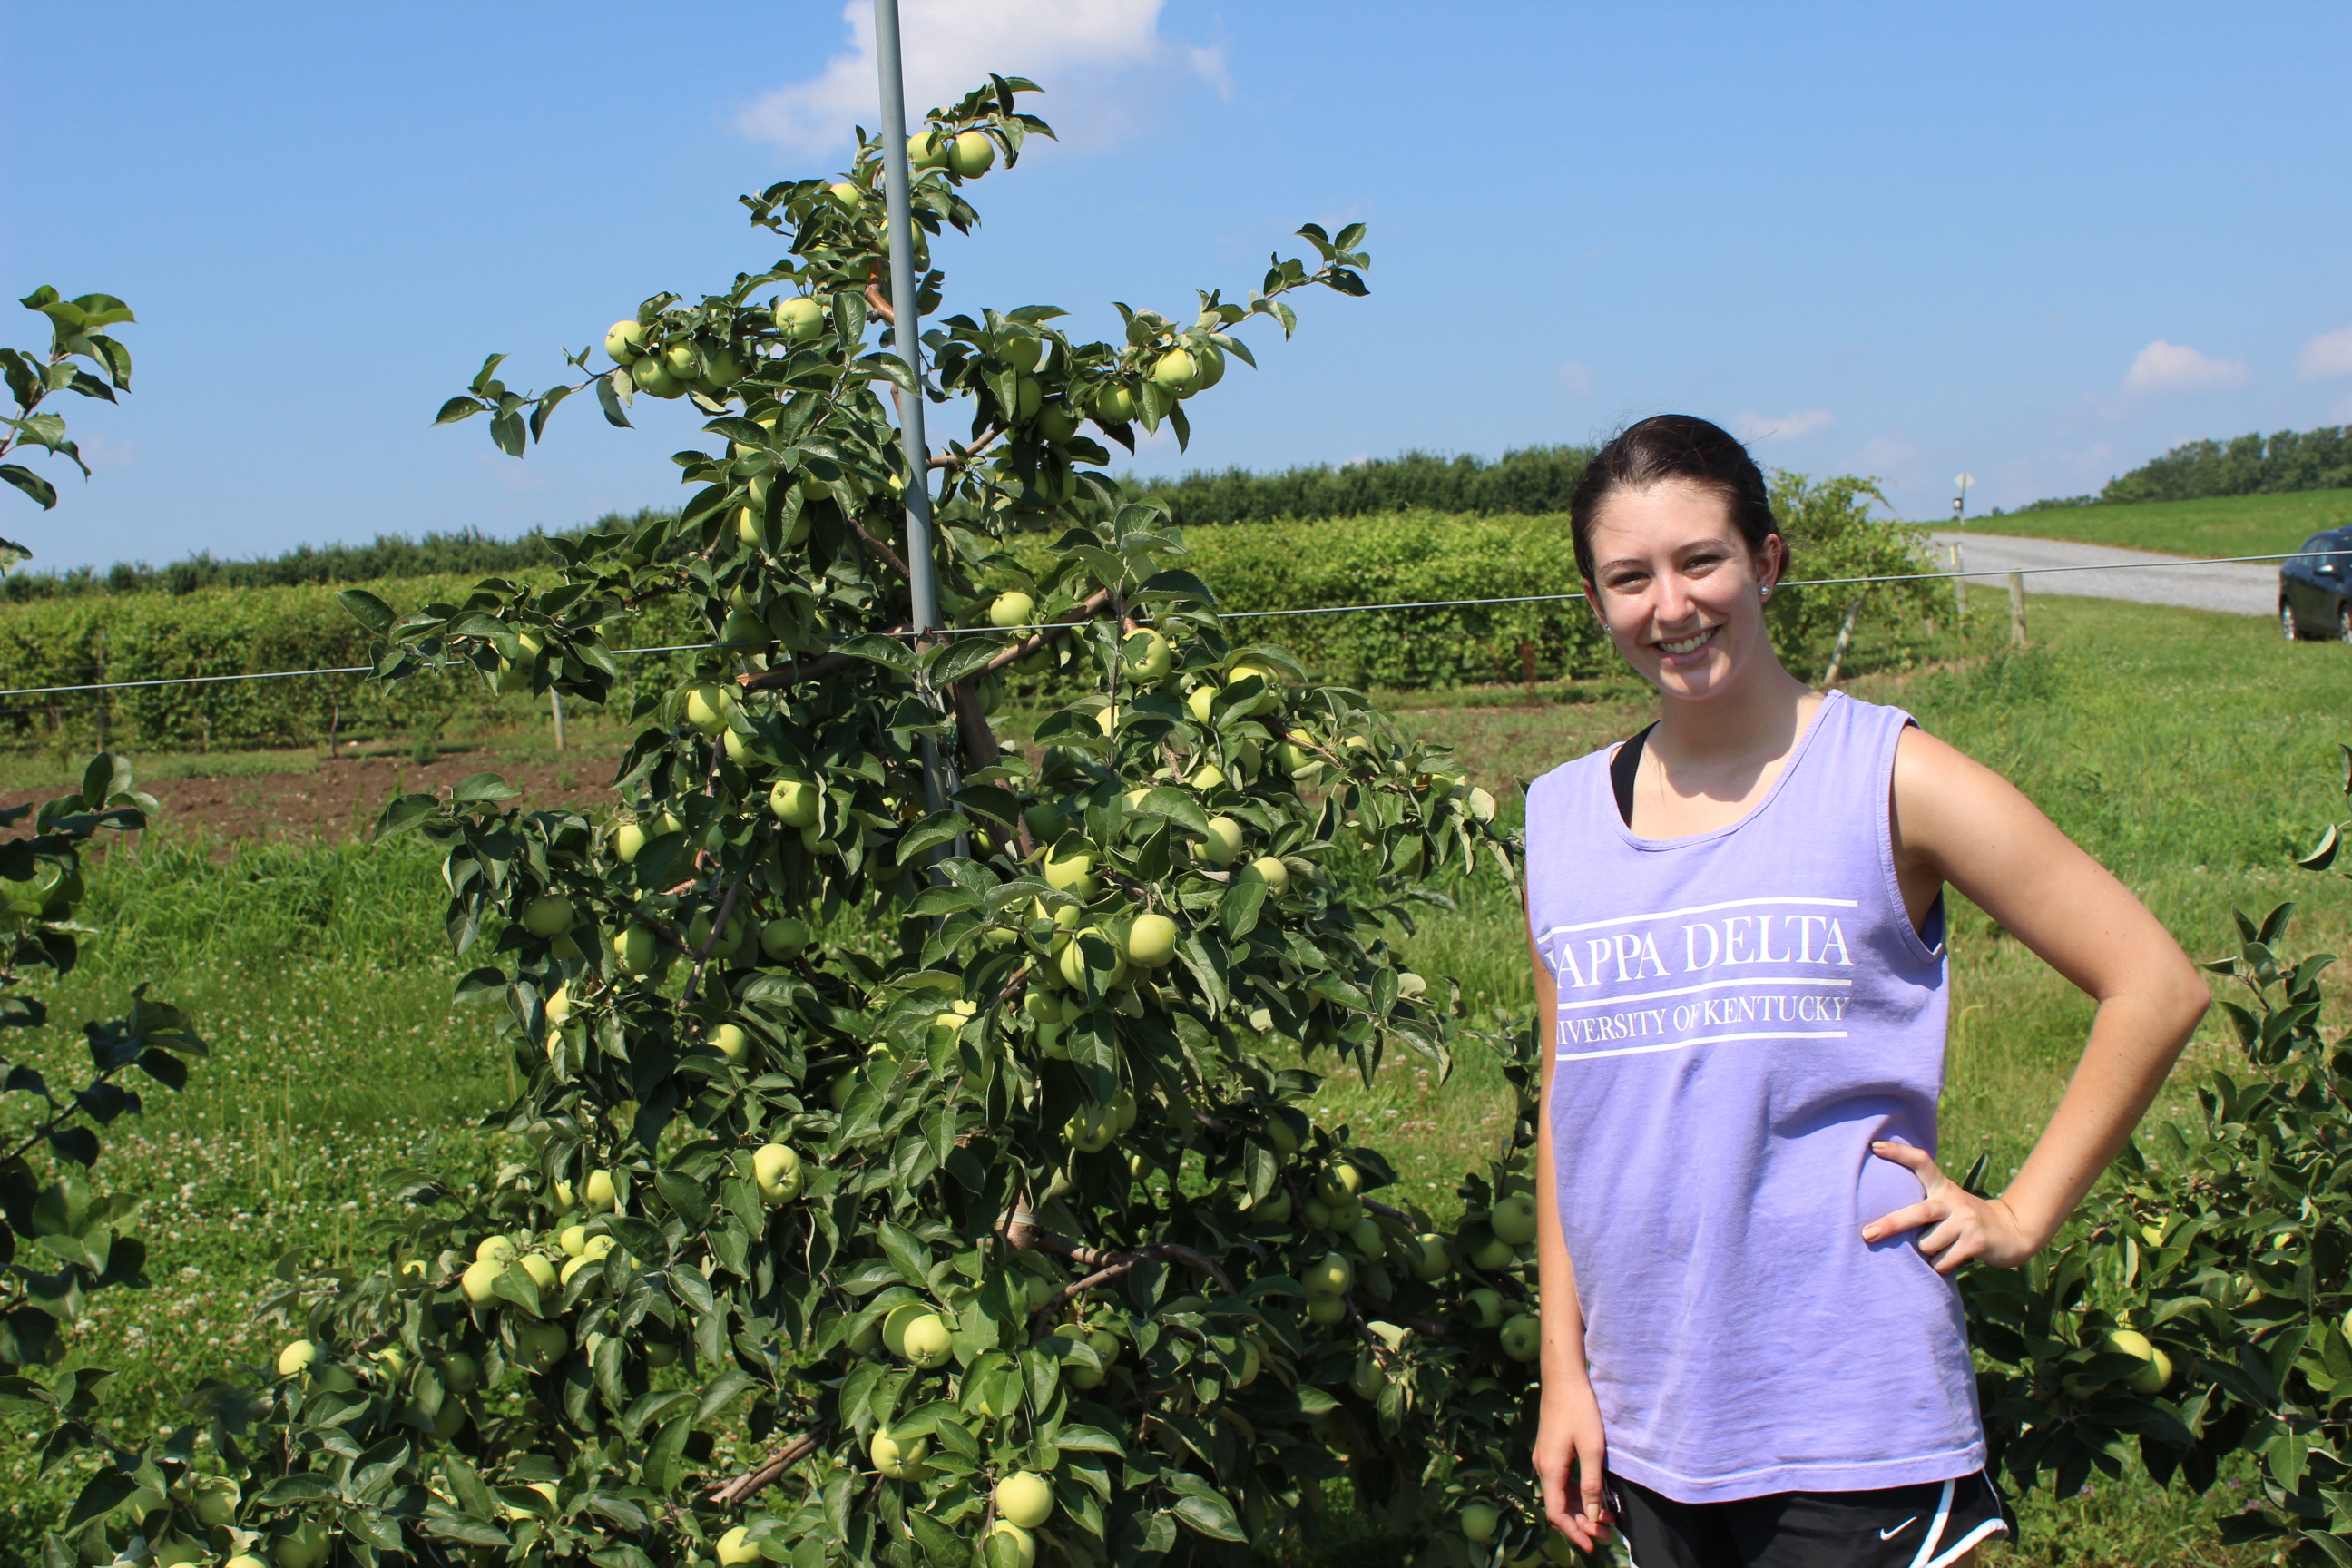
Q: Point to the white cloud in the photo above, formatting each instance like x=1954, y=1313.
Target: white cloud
x=2326, y=356
x=948, y=47
x=1883, y=454
x=1751, y=426
x=1575, y=380
x=2162, y=368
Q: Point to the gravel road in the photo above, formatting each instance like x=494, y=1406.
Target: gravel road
x=2249, y=588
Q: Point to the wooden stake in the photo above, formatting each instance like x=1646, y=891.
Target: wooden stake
x=2017, y=608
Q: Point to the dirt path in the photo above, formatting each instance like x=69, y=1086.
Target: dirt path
x=340, y=799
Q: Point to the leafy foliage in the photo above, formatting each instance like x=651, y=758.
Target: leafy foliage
x=1831, y=535
x=75, y=332
x=1017, y=1185
x=62, y=1238
x=2317, y=459
x=1528, y=481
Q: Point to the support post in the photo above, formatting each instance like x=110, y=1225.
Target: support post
x=2017, y=608
x=555, y=707
x=1845, y=641
x=1960, y=590
x=906, y=339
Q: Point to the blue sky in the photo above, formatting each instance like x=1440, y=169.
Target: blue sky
x=2038, y=243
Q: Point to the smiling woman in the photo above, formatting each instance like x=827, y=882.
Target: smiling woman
x=1737, y=921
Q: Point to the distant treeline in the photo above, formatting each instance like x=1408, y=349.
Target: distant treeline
x=2317, y=459
x=468, y=553
x=1529, y=481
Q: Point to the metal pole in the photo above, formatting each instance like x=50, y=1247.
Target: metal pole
x=555, y=706
x=906, y=338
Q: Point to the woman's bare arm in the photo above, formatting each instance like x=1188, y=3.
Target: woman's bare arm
x=1957, y=822
x=1569, y=1431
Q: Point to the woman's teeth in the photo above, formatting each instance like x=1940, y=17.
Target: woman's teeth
x=1690, y=644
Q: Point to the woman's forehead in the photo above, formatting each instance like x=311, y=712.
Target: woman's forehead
x=1666, y=515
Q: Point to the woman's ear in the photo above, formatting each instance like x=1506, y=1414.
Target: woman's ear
x=1770, y=559
x=1593, y=602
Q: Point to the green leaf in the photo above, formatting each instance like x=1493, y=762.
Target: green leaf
x=368, y=610
x=31, y=483
x=939, y=827
x=458, y=408
x=483, y=787
x=1211, y=1515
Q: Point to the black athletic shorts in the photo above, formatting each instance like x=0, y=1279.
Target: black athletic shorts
x=1928, y=1526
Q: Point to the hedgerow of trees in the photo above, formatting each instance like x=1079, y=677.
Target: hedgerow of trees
x=2250, y=465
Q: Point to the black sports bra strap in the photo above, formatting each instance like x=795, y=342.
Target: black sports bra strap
x=1622, y=769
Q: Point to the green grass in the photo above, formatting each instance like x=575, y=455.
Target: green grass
x=2229, y=525
x=2190, y=752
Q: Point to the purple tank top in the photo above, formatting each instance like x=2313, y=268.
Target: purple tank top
x=1741, y=1013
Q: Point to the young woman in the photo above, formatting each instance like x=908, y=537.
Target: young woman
x=1753, y=1350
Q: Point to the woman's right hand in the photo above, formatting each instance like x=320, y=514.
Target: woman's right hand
x=1569, y=1436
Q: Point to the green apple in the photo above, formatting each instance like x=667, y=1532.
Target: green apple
x=1491, y=1255
x=628, y=840
x=1090, y=1129
x=1213, y=367
x=1274, y=1210
x=783, y=937
x=684, y=362
x=216, y=1501
x=845, y=195
x=735, y=1548
x=776, y=1167
x=1269, y=869
x=1122, y=1110
x=1021, y=352
x=1327, y=1309
x=1201, y=702
x=481, y=1279
x=247, y=1559
x=652, y=377
x=573, y=1240
x=1431, y=1259
x=2156, y=1367
x=541, y=1345
x=741, y=629
x=460, y=1372
x=1514, y=1219
x=707, y=707
x=638, y=950
x=972, y=155
x=1149, y=655
x=732, y=1041
x=724, y=368
x=1279, y=1130
x=542, y=1272
x=1252, y=1361
x=1176, y=370
x=925, y=150
x=898, y=1458
x=1072, y=873
x=1222, y=843
x=550, y=915
x=514, y=675
x=1488, y=1305
x=1071, y=961
x=1112, y=405
x=497, y=1249
x=1011, y=608
x=1151, y=940
x=304, y=1546
x=1330, y=1275
x=625, y=340
x=599, y=1195
x=1369, y=1377
x=727, y=943
x=795, y=801
x=296, y=1358
x=1366, y=1236
x=928, y=1339
x=1025, y=1499
x=1522, y=1337
x=800, y=318
x=1054, y=423
x=1479, y=1521
x=1341, y=1182
x=1024, y=1545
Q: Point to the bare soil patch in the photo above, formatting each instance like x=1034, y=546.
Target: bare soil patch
x=340, y=798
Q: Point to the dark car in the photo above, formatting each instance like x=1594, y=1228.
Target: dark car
x=2316, y=588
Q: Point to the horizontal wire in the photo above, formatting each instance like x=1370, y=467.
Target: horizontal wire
x=1945, y=576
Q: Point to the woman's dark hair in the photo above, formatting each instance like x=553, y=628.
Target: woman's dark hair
x=1674, y=446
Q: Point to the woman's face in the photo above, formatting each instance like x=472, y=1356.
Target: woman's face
x=1679, y=590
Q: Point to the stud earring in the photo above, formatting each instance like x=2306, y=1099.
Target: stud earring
x=1764, y=593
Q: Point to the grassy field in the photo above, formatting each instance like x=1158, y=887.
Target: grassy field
x=2190, y=752
x=2229, y=525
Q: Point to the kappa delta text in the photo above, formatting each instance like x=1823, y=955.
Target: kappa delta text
x=1771, y=944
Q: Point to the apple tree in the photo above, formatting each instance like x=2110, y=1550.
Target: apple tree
x=917, y=1164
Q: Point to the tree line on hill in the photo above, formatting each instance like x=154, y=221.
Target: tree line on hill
x=2317, y=459
x=1530, y=480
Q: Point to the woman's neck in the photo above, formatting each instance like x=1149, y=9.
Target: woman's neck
x=1753, y=718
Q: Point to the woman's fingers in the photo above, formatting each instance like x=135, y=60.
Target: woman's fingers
x=1910, y=1159
x=1927, y=1210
